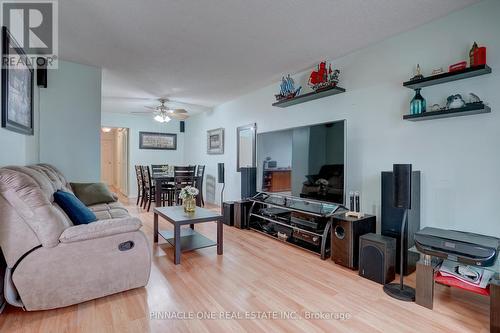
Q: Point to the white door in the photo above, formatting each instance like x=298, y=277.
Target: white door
x=107, y=159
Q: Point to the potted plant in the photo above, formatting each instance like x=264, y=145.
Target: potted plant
x=188, y=195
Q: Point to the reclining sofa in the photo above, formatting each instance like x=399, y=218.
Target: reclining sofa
x=52, y=263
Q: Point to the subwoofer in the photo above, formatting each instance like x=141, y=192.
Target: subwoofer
x=228, y=213
x=241, y=210
x=377, y=258
x=391, y=216
x=345, y=238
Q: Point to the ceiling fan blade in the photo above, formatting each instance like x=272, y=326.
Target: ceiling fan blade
x=151, y=108
x=178, y=111
x=178, y=116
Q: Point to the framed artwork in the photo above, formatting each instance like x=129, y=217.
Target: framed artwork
x=17, y=87
x=161, y=141
x=245, y=145
x=215, y=141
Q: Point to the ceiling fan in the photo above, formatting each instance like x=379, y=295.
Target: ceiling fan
x=164, y=114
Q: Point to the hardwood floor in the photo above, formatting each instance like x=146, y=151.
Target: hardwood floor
x=254, y=274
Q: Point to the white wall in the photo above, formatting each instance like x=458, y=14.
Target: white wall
x=458, y=157
x=70, y=121
x=140, y=123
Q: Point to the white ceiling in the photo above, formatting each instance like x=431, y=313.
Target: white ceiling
x=210, y=51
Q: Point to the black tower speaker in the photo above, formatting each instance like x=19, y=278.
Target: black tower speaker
x=392, y=216
x=220, y=173
x=401, y=187
x=182, y=126
x=248, y=182
x=377, y=258
x=41, y=72
x=401, y=184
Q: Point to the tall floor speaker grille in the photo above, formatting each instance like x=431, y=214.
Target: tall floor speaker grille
x=391, y=218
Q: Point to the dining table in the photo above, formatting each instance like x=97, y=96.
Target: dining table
x=163, y=178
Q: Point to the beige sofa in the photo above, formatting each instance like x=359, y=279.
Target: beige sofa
x=50, y=262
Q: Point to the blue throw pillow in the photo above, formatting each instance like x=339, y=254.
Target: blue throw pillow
x=74, y=208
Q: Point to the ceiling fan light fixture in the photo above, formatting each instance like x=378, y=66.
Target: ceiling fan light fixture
x=162, y=118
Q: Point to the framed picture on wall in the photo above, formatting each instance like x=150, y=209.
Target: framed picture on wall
x=161, y=141
x=17, y=87
x=215, y=141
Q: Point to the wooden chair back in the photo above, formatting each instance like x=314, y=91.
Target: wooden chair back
x=138, y=174
x=146, y=176
x=159, y=169
x=184, y=176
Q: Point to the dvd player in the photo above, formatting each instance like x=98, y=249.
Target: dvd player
x=464, y=247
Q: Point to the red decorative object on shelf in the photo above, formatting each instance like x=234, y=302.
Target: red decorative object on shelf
x=458, y=66
x=323, y=77
x=479, y=56
x=453, y=282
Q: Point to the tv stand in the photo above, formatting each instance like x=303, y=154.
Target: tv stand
x=296, y=221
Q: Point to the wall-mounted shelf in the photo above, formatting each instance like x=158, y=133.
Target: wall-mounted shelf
x=309, y=97
x=448, y=77
x=470, y=109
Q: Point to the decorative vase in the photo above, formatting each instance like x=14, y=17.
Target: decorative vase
x=189, y=205
x=417, y=104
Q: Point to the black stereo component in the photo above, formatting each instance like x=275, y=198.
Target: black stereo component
x=391, y=218
x=307, y=237
x=377, y=258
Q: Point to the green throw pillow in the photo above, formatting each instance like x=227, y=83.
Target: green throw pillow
x=92, y=193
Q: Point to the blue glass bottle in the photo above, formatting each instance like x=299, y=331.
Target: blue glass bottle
x=417, y=104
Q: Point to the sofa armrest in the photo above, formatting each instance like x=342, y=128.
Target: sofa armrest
x=100, y=229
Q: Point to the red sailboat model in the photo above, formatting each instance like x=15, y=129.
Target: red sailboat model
x=323, y=77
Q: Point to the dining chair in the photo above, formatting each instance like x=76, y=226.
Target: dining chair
x=166, y=187
x=183, y=176
x=149, y=188
x=140, y=185
x=200, y=172
x=159, y=169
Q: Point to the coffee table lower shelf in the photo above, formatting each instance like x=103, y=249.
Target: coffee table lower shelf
x=190, y=239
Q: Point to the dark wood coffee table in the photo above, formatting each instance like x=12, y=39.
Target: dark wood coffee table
x=186, y=239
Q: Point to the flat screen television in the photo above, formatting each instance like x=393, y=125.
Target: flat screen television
x=307, y=162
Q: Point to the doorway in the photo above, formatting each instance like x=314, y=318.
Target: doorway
x=114, y=158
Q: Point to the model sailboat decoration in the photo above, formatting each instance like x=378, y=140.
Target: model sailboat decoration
x=323, y=77
x=287, y=89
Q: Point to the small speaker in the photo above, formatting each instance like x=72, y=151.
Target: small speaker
x=345, y=238
x=220, y=173
x=377, y=258
x=41, y=72
x=402, y=185
x=182, y=126
x=228, y=213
